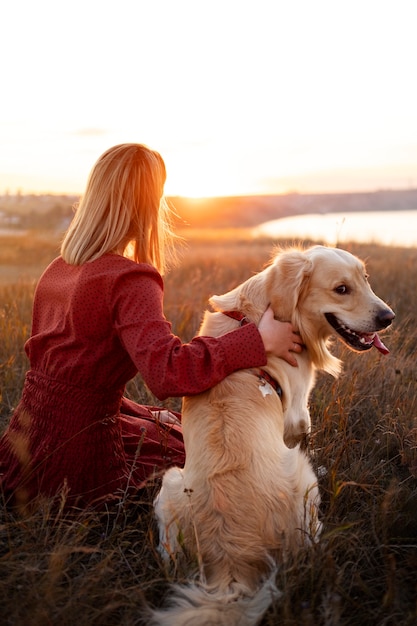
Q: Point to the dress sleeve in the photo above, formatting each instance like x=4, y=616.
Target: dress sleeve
x=168, y=366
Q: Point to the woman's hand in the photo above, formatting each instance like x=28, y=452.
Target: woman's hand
x=166, y=417
x=280, y=338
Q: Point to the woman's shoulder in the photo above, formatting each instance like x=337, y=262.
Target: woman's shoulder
x=121, y=263
x=115, y=267
x=108, y=270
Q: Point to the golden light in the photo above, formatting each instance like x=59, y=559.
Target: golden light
x=203, y=173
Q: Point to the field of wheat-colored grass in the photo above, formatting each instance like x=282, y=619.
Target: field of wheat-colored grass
x=100, y=570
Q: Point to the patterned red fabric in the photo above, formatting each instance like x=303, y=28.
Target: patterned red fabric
x=94, y=327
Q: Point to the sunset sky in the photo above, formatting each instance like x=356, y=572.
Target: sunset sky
x=240, y=97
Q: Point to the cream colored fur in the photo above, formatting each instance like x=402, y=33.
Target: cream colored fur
x=248, y=494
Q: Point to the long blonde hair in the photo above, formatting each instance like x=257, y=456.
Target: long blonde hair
x=122, y=210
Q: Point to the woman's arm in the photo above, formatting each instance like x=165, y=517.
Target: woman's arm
x=172, y=368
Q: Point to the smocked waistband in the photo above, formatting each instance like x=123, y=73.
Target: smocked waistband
x=46, y=396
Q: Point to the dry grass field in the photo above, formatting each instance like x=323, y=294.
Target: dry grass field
x=100, y=570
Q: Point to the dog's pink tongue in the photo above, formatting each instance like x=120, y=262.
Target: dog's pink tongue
x=379, y=345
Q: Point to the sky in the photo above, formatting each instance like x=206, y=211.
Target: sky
x=240, y=97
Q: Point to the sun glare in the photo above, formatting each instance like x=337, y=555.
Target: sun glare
x=193, y=184
x=202, y=175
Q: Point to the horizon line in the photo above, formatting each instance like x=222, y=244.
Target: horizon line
x=294, y=192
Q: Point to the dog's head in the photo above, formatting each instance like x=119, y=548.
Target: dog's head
x=325, y=291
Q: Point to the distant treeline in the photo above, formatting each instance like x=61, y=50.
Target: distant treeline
x=55, y=211
x=253, y=210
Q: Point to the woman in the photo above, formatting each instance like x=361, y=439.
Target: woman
x=97, y=321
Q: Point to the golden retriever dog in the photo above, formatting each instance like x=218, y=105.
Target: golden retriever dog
x=248, y=495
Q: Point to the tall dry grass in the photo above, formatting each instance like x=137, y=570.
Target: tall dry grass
x=101, y=570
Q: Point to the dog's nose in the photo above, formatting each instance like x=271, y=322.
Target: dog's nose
x=385, y=317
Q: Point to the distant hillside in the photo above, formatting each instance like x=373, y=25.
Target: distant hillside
x=53, y=211
x=244, y=211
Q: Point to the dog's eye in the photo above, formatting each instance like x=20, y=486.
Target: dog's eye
x=342, y=290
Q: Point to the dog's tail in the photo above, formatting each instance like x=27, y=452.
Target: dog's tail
x=191, y=605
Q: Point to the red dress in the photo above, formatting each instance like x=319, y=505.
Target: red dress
x=94, y=327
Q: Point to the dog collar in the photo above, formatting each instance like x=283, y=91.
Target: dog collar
x=263, y=376
x=238, y=316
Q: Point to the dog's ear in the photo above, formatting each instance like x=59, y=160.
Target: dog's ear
x=287, y=278
x=250, y=298
x=226, y=302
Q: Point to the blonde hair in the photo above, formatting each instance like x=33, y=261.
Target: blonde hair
x=123, y=210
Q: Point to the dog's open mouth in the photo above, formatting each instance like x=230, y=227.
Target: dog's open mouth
x=355, y=339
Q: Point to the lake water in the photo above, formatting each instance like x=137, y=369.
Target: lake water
x=392, y=228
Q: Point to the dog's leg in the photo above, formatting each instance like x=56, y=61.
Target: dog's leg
x=168, y=513
x=312, y=524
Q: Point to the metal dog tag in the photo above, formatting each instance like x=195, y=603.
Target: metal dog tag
x=266, y=389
